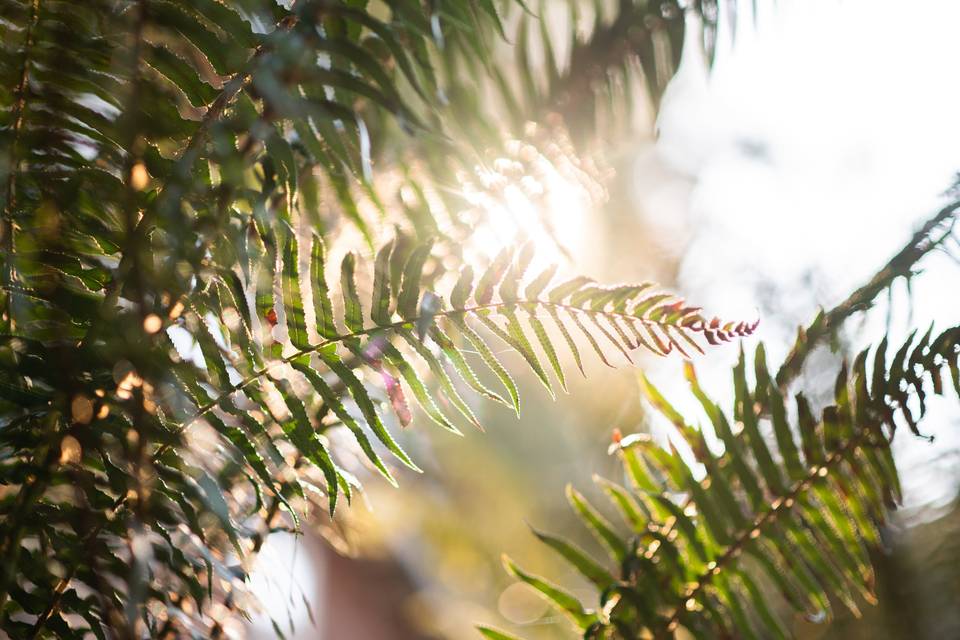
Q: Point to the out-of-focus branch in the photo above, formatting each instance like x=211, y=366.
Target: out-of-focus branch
x=927, y=238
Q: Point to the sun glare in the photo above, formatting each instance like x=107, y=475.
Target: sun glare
x=539, y=193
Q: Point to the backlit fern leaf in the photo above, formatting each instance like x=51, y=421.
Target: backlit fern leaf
x=799, y=516
x=411, y=329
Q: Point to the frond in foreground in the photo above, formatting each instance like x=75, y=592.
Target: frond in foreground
x=405, y=327
x=795, y=519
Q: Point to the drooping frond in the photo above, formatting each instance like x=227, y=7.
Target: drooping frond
x=790, y=507
x=584, y=64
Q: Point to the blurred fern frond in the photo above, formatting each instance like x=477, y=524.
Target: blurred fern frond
x=261, y=362
x=582, y=65
x=785, y=514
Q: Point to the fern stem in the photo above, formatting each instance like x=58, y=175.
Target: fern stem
x=20, y=106
x=900, y=265
x=779, y=506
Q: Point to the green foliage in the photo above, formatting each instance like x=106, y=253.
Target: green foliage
x=786, y=513
x=630, y=52
x=173, y=347
x=177, y=179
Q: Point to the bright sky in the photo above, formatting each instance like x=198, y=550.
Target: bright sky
x=818, y=143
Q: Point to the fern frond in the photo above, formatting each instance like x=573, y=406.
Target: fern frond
x=799, y=516
x=404, y=327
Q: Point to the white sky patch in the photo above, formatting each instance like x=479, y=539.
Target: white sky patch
x=284, y=580
x=818, y=143
x=187, y=348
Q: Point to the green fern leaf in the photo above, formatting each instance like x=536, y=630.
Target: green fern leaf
x=410, y=289
x=493, y=634
x=292, y=300
x=598, y=526
x=380, y=305
x=352, y=308
x=580, y=560
x=332, y=401
x=423, y=396
x=490, y=360
x=322, y=305
x=301, y=433
x=563, y=600
x=460, y=364
x=440, y=375
x=365, y=403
